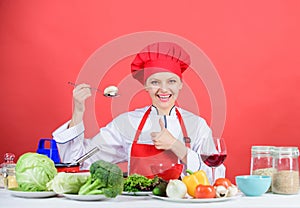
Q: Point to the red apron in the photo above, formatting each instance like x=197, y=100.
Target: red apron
x=146, y=160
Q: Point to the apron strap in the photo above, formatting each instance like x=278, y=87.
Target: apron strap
x=142, y=123
x=186, y=139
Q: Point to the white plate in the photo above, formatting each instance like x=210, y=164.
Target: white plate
x=138, y=193
x=193, y=200
x=32, y=194
x=96, y=197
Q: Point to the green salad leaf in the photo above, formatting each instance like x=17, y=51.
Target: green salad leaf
x=136, y=182
x=34, y=171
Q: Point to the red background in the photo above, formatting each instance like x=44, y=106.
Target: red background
x=254, y=46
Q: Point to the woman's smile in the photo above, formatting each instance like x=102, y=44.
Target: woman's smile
x=164, y=97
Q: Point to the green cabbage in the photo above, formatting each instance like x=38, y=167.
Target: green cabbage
x=34, y=171
x=67, y=183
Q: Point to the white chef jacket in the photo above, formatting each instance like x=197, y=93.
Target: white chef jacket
x=115, y=139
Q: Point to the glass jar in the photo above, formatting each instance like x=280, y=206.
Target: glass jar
x=1, y=175
x=262, y=161
x=8, y=170
x=286, y=178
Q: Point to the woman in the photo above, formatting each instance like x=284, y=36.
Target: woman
x=160, y=133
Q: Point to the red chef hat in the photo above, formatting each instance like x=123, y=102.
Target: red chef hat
x=159, y=57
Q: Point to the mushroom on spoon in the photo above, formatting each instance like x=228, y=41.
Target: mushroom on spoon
x=110, y=91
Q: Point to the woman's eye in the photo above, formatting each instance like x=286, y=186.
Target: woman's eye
x=154, y=82
x=172, y=81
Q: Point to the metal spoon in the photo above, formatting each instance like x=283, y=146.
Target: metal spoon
x=110, y=91
x=85, y=156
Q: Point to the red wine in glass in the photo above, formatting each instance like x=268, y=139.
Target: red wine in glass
x=214, y=160
x=213, y=153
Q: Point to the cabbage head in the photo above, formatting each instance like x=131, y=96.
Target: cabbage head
x=34, y=171
x=68, y=183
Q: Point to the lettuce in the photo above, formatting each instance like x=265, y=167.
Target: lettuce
x=34, y=171
x=137, y=182
x=67, y=183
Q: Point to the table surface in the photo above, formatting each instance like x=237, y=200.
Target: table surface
x=265, y=201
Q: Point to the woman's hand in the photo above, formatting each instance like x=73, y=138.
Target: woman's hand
x=80, y=93
x=163, y=139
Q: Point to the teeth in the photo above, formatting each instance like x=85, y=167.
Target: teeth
x=164, y=97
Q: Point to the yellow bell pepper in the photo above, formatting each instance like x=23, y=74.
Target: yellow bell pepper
x=193, y=180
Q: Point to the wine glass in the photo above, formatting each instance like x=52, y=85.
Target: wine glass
x=213, y=153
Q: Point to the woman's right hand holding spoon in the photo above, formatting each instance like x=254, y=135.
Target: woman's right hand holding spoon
x=80, y=93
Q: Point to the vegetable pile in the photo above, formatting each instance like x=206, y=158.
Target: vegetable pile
x=34, y=171
x=37, y=172
x=196, y=185
x=106, y=178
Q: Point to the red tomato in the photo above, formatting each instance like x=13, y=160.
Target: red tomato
x=205, y=191
x=223, y=182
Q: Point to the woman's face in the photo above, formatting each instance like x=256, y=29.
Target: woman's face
x=163, y=88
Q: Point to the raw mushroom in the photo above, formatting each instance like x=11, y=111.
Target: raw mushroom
x=221, y=191
x=111, y=91
x=232, y=190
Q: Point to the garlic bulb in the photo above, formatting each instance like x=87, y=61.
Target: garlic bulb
x=176, y=189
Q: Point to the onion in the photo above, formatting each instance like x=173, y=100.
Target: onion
x=176, y=189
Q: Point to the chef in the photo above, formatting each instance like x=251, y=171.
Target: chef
x=161, y=133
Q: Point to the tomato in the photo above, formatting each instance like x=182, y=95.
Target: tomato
x=223, y=182
x=205, y=191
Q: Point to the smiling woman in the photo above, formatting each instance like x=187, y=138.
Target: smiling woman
x=163, y=89
x=160, y=134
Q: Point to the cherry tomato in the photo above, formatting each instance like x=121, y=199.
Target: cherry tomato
x=223, y=182
x=205, y=191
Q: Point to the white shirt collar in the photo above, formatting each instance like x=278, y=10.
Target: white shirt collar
x=154, y=111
